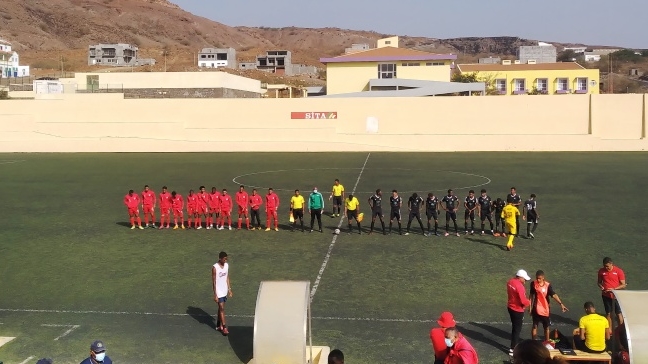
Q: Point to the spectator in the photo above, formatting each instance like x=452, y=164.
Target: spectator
x=336, y=357
x=459, y=349
x=437, y=336
x=534, y=352
x=593, y=331
x=97, y=354
x=517, y=302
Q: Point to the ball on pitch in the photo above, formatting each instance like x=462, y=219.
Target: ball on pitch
x=337, y=231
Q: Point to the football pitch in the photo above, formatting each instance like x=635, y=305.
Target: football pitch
x=72, y=271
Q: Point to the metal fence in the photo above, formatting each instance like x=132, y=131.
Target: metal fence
x=28, y=80
x=103, y=88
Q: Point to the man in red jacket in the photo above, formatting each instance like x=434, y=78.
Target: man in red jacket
x=459, y=349
x=437, y=336
x=272, y=205
x=517, y=302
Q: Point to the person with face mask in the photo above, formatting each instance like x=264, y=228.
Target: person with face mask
x=459, y=349
x=315, y=208
x=97, y=354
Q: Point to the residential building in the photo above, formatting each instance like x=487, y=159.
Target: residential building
x=546, y=78
x=605, y=51
x=217, y=57
x=357, y=47
x=577, y=50
x=10, y=62
x=591, y=57
x=539, y=54
x=247, y=65
x=280, y=62
x=385, y=68
x=490, y=60
x=119, y=55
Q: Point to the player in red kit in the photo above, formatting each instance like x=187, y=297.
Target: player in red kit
x=255, y=208
x=165, y=208
x=148, y=205
x=132, y=202
x=192, y=208
x=226, y=210
x=242, y=203
x=203, y=200
x=176, y=204
x=214, y=208
x=272, y=205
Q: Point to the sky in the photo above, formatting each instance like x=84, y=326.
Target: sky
x=592, y=22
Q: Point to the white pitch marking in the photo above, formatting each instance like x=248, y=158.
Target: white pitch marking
x=5, y=339
x=66, y=333
x=330, y=249
x=11, y=161
x=27, y=360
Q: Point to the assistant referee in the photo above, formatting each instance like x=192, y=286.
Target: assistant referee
x=351, y=209
x=337, y=195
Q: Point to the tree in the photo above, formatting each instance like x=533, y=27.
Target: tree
x=488, y=79
x=567, y=56
x=626, y=55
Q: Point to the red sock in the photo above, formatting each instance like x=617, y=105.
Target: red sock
x=132, y=220
x=153, y=219
x=146, y=219
x=268, y=222
x=198, y=222
x=139, y=221
x=209, y=221
x=239, y=222
x=229, y=220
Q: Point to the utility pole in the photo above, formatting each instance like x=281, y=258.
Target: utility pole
x=165, y=60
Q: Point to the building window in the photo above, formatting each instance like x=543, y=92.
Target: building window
x=581, y=85
x=203, y=56
x=435, y=64
x=388, y=42
x=562, y=85
x=519, y=85
x=410, y=64
x=500, y=86
x=542, y=85
x=387, y=70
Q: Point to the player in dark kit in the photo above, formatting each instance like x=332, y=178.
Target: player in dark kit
x=431, y=211
x=449, y=204
x=531, y=216
x=395, y=203
x=375, y=202
x=415, y=203
x=499, y=205
x=516, y=200
x=470, y=203
x=485, y=205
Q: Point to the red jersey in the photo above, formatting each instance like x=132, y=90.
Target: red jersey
x=214, y=200
x=132, y=202
x=165, y=200
x=272, y=201
x=461, y=353
x=517, y=299
x=255, y=202
x=437, y=336
x=610, y=279
x=226, y=202
x=177, y=202
x=192, y=201
x=203, y=199
x=242, y=199
x=148, y=198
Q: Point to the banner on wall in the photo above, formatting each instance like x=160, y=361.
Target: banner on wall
x=314, y=115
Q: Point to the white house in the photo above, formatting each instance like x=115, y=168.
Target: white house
x=592, y=57
x=10, y=62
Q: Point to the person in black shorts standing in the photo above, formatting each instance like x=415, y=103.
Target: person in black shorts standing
x=470, y=203
x=485, y=206
x=450, y=204
x=431, y=211
x=516, y=200
x=530, y=214
x=415, y=203
x=375, y=202
x=498, y=206
x=395, y=203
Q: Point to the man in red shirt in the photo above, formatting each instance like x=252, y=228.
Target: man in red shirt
x=517, y=302
x=214, y=208
x=203, y=199
x=176, y=204
x=132, y=202
x=242, y=203
x=226, y=210
x=611, y=277
x=255, y=206
x=437, y=336
x=459, y=349
x=165, y=208
x=272, y=205
x=148, y=206
x=192, y=208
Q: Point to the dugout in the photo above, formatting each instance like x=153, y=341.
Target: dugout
x=636, y=323
x=282, y=325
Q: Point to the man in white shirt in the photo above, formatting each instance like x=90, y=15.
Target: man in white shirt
x=222, y=289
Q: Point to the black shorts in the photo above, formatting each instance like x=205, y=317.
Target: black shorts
x=377, y=213
x=352, y=214
x=432, y=214
x=537, y=320
x=469, y=214
x=532, y=217
x=394, y=214
x=451, y=215
x=337, y=200
x=608, y=303
x=298, y=213
x=483, y=215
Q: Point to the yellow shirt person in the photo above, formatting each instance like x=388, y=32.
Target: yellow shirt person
x=509, y=213
x=338, y=190
x=297, y=202
x=352, y=204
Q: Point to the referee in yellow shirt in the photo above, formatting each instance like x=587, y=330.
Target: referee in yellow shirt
x=297, y=209
x=351, y=209
x=337, y=195
x=510, y=214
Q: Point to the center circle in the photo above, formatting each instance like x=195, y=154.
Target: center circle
x=313, y=176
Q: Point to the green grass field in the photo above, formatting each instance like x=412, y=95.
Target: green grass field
x=69, y=261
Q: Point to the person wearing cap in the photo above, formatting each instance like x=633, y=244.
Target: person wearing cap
x=517, y=303
x=97, y=354
x=437, y=336
x=315, y=208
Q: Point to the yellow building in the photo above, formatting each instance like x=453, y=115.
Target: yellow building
x=510, y=78
x=351, y=73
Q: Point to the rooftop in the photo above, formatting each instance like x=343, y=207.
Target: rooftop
x=559, y=66
x=388, y=54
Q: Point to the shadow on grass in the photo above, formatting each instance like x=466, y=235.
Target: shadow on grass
x=123, y=223
x=494, y=331
x=478, y=336
x=201, y=316
x=486, y=242
x=564, y=320
x=241, y=340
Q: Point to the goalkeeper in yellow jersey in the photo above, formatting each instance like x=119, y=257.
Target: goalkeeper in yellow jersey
x=510, y=214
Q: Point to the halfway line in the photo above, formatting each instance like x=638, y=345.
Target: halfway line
x=330, y=249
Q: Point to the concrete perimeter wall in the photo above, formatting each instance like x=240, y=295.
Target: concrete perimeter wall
x=110, y=123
